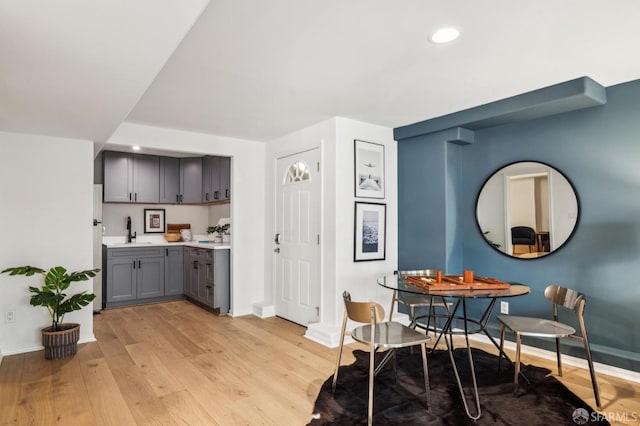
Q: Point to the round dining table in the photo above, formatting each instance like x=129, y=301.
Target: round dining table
x=458, y=296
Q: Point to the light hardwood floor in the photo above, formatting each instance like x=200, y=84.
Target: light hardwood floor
x=175, y=363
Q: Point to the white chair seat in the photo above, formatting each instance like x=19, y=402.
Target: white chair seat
x=389, y=335
x=537, y=327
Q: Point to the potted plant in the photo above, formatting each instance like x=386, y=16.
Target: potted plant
x=59, y=339
x=218, y=229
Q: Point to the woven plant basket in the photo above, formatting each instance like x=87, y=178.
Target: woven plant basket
x=61, y=344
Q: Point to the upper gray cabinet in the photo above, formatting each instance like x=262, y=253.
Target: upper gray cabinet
x=140, y=178
x=131, y=178
x=216, y=179
x=191, y=180
x=225, y=178
x=169, y=180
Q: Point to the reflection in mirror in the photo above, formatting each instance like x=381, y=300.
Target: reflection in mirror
x=527, y=210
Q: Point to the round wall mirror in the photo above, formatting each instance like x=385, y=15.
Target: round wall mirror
x=527, y=210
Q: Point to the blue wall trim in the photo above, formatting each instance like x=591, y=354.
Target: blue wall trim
x=571, y=95
x=598, y=149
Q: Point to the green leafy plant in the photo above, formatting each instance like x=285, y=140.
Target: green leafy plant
x=51, y=295
x=218, y=229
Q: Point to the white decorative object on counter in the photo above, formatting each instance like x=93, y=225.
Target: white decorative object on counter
x=186, y=234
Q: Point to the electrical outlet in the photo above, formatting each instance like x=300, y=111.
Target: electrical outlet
x=504, y=308
x=9, y=317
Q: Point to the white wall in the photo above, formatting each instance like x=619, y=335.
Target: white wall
x=359, y=278
x=336, y=137
x=522, y=203
x=46, y=208
x=114, y=217
x=247, y=193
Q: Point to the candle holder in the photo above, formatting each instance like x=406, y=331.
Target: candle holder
x=468, y=277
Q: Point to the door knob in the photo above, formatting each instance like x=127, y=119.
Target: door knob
x=278, y=238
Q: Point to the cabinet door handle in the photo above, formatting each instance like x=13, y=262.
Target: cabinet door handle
x=206, y=196
x=139, y=265
x=135, y=197
x=177, y=198
x=226, y=193
x=216, y=195
x=129, y=196
x=167, y=252
x=134, y=264
x=195, y=264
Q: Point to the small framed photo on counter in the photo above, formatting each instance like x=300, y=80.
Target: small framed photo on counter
x=154, y=221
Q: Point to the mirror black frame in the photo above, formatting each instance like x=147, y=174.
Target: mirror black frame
x=563, y=244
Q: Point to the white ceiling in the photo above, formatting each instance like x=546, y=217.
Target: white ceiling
x=257, y=69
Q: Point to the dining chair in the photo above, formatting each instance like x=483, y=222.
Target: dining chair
x=539, y=327
x=523, y=235
x=414, y=302
x=377, y=334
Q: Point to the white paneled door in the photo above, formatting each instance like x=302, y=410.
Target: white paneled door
x=296, y=241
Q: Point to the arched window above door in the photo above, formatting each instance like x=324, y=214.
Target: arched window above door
x=298, y=172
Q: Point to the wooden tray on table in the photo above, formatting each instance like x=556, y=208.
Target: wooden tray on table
x=454, y=282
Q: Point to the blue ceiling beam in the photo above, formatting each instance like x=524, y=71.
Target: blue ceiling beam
x=571, y=95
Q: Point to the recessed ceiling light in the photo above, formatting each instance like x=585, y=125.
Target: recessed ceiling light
x=445, y=35
x=135, y=148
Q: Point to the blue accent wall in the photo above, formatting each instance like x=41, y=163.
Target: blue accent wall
x=598, y=149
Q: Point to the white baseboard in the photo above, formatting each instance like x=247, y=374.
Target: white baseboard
x=620, y=373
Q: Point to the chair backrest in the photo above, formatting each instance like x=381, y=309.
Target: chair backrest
x=418, y=272
x=363, y=312
x=562, y=296
x=523, y=235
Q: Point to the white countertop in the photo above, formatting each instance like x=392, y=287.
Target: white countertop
x=159, y=241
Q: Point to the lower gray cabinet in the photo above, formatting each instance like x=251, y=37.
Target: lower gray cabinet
x=139, y=275
x=206, y=277
x=174, y=271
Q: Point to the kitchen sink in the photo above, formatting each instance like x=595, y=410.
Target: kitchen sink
x=132, y=243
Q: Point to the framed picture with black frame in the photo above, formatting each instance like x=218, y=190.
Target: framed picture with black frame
x=370, y=231
x=154, y=221
x=369, y=169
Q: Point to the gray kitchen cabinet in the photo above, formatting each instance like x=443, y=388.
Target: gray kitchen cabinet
x=210, y=179
x=216, y=179
x=131, y=178
x=225, y=177
x=206, y=277
x=174, y=271
x=121, y=280
x=150, y=277
x=198, y=275
x=169, y=180
x=191, y=180
x=132, y=275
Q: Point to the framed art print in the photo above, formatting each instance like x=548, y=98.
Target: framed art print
x=369, y=169
x=370, y=232
x=154, y=221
